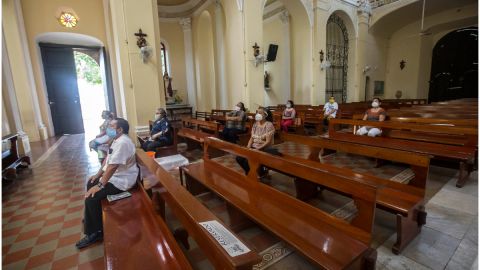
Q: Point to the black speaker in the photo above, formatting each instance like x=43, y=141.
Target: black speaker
x=272, y=52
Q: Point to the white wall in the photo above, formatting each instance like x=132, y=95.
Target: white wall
x=280, y=90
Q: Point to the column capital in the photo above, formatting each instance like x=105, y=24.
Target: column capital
x=186, y=23
x=218, y=3
x=285, y=17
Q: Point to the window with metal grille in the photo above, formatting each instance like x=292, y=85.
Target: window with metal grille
x=337, y=55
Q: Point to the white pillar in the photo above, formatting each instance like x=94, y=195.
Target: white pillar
x=287, y=91
x=220, y=40
x=24, y=141
x=360, y=55
x=186, y=24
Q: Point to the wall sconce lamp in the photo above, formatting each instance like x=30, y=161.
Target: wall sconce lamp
x=321, y=56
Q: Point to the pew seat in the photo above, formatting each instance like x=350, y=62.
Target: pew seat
x=135, y=237
x=327, y=241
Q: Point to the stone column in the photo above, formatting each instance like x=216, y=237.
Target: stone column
x=360, y=55
x=10, y=93
x=141, y=86
x=285, y=18
x=220, y=57
x=253, y=33
x=321, y=12
x=186, y=24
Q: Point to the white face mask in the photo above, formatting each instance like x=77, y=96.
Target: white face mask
x=258, y=117
x=289, y=105
x=157, y=116
x=237, y=108
x=375, y=104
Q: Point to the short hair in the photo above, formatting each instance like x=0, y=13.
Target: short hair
x=242, y=106
x=331, y=97
x=379, y=100
x=122, y=123
x=162, y=111
x=291, y=102
x=266, y=113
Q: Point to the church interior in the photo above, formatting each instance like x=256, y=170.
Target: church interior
x=240, y=134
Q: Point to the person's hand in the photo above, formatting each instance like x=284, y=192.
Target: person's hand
x=92, y=191
x=93, y=178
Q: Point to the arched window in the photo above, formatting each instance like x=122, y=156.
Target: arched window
x=337, y=54
x=164, y=56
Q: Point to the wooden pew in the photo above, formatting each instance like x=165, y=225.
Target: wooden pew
x=406, y=201
x=210, y=127
x=465, y=155
x=202, y=115
x=441, y=137
x=11, y=160
x=136, y=238
x=190, y=212
x=329, y=242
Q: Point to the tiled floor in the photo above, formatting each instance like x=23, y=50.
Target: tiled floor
x=42, y=214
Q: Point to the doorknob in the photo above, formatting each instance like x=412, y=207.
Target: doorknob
x=51, y=103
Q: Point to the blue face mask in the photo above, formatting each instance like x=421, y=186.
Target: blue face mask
x=112, y=133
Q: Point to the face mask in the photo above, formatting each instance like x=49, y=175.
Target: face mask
x=289, y=105
x=375, y=104
x=112, y=133
x=258, y=117
x=237, y=108
x=331, y=100
x=157, y=116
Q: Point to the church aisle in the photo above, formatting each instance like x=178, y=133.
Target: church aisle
x=42, y=212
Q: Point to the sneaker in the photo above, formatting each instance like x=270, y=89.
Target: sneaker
x=89, y=240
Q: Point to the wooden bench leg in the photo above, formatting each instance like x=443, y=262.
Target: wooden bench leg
x=238, y=220
x=158, y=204
x=367, y=261
x=463, y=174
x=408, y=228
x=305, y=189
x=194, y=186
x=181, y=235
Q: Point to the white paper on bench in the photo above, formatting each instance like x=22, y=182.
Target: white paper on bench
x=232, y=245
x=171, y=162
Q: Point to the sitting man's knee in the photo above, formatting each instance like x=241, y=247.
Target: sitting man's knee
x=374, y=132
x=362, y=131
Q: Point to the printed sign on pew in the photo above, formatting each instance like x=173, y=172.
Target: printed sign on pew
x=232, y=245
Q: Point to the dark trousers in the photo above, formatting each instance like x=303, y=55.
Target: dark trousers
x=231, y=134
x=93, y=207
x=243, y=162
x=153, y=145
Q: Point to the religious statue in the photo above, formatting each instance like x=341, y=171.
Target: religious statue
x=266, y=80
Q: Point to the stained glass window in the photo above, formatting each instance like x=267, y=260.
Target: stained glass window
x=68, y=20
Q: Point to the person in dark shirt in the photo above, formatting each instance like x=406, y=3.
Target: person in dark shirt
x=161, y=134
x=235, y=123
x=376, y=113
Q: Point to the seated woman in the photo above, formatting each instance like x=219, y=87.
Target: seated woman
x=376, y=113
x=235, y=123
x=161, y=134
x=101, y=143
x=288, y=117
x=261, y=139
x=329, y=111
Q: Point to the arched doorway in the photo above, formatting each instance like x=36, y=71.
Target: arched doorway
x=454, y=72
x=337, y=55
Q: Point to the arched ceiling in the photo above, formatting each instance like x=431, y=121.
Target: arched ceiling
x=178, y=8
x=410, y=13
x=171, y=2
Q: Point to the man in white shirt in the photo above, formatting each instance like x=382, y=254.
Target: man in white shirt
x=118, y=173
